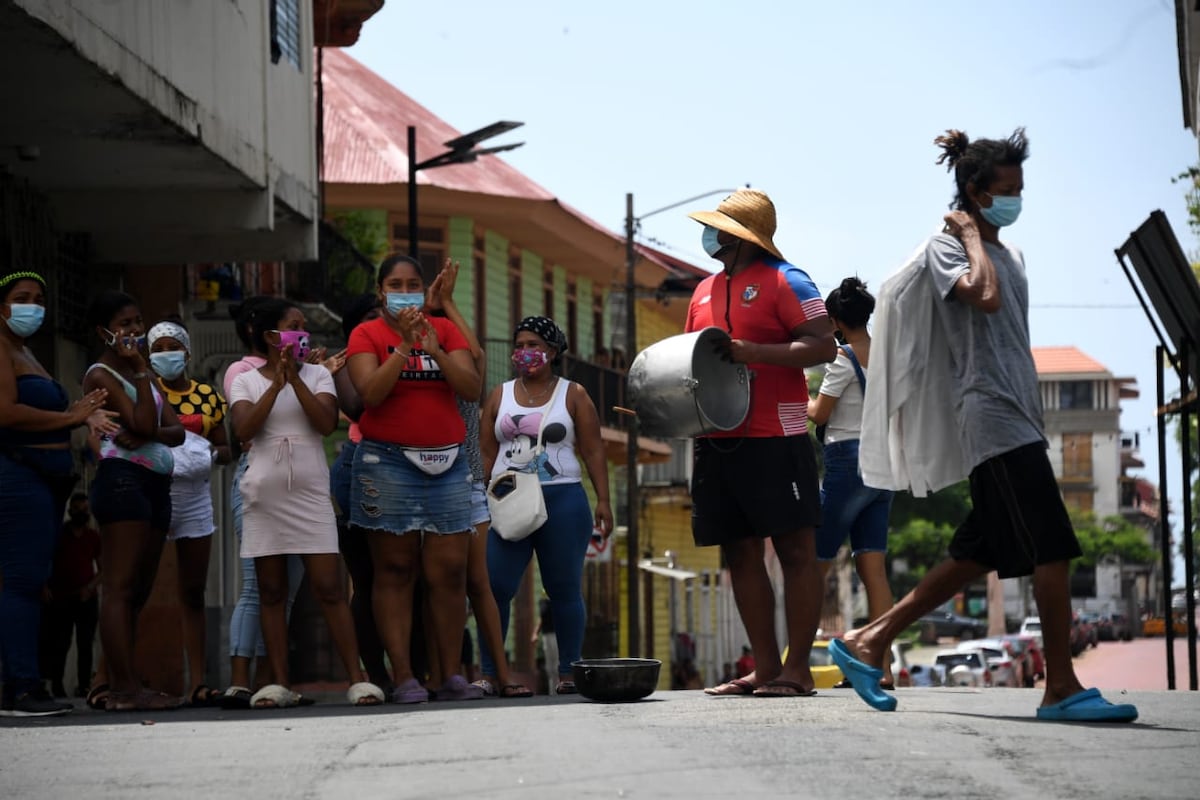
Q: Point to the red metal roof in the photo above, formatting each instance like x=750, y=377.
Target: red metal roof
x=1065, y=360
x=366, y=139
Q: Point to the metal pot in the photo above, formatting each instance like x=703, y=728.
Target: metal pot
x=680, y=387
x=615, y=680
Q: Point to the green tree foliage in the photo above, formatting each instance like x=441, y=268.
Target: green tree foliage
x=1110, y=536
x=950, y=506
x=366, y=230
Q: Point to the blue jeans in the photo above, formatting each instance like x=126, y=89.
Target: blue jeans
x=561, y=545
x=339, y=480
x=389, y=493
x=245, y=632
x=848, y=507
x=30, y=519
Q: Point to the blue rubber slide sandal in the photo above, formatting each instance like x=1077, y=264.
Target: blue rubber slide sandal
x=1088, y=706
x=864, y=678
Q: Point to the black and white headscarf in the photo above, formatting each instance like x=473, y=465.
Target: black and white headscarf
x=545, y=328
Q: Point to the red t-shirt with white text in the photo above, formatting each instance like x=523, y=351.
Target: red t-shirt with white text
x=421, y=410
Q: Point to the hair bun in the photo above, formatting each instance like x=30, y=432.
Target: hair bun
x=851, y=285
x=954, y=145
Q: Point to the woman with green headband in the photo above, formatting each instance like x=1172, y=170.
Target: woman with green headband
x=36, y=478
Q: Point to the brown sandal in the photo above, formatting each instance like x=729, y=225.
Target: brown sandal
x=515, y=690
x=97, y=697
x=142, y=700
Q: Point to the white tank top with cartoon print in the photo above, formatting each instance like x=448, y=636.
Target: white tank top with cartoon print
x=516, y=431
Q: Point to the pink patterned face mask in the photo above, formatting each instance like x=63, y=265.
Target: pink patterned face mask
x=526, y=360
x=298, y=340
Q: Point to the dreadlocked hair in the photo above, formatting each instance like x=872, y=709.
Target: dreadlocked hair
x=850, y=303
x=975, y=162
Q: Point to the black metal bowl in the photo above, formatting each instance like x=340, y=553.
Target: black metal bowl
x=616, y=680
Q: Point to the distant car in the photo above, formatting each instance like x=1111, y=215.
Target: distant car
x=964, y=668
x=1156, y=626
x=1083, y=633
x=1091, y=626
x=902, y=672
x=1033, y=627
x=825, y=673
x=925, y=675
x=1004, y=669
x=1026, y=648
x=1114, y=627
x=946, y=623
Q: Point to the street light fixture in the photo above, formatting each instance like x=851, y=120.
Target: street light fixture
x=463, y=150
x=632, y=500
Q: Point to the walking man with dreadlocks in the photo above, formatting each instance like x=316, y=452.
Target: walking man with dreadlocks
x=992, y=425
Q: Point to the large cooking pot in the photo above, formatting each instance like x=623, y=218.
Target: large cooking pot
x=680, y=387
x=614, y=680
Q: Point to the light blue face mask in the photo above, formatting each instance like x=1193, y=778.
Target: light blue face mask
x=1003, y=211
x=25, y=318
x=169, y=363
x=398, y=301
x=709, y=241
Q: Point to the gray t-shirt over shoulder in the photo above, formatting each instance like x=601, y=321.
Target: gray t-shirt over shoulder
x=997, y=401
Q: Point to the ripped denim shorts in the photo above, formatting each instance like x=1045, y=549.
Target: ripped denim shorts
x=389, y=493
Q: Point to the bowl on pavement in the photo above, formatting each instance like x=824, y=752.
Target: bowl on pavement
x=616, y=680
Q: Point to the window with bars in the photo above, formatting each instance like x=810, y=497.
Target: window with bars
x=548, y=293
x=598, y=345
x=514, y=291
x=572, y=315
x=431, y=246
x=286, y=31
x=1074, y=395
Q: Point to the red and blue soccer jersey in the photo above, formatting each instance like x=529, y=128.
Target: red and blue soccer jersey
x=763, y=303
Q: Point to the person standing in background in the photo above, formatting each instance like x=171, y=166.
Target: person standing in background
x=201, y=411
x=72, y=604
x=849, y=509
x=36, y=478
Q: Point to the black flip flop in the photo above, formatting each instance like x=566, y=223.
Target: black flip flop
x=97, y=697
x=204, y=697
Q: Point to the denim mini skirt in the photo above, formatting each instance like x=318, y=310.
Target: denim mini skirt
x=390, y=493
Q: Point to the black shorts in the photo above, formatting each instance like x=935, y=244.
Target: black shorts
x=753, y=488
x=1017, y=519
x=127, y=492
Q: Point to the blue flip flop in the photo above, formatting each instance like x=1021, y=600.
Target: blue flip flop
x=1088, y=706
x=865, y=679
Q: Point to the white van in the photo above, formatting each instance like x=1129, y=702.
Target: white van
x=1033, y=627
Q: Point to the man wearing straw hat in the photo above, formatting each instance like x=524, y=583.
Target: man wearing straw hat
x=759, y=480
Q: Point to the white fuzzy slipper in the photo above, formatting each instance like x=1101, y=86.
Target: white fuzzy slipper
x=362, y=691
x=278, y=696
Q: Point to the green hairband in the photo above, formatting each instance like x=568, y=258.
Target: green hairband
x=16, y=276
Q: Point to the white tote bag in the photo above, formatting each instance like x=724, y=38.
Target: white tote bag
x=515, y=500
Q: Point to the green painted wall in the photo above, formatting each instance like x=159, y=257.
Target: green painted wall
x=532, y=279
x=461, y=231
x=560, y=296
x=496, y=294
x=583, y=291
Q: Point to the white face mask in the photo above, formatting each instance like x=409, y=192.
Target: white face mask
x=708, y=239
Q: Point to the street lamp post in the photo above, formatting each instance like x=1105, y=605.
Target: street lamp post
x=463, y=150
x=632, y=499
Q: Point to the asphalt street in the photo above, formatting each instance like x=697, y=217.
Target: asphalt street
x=940, y=743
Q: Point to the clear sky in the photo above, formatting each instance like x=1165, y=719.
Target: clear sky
x=832, y=108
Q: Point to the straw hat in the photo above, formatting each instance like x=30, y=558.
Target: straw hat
x=747, y=214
